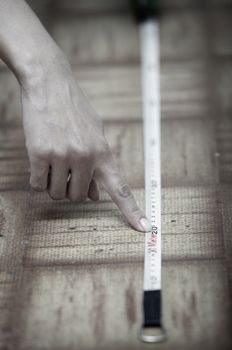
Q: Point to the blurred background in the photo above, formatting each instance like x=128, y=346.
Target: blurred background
x=71, y=274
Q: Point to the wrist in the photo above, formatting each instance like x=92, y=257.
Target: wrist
x=37, y=66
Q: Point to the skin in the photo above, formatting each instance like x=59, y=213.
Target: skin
x=64, y=135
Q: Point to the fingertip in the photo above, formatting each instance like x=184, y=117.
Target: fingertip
x=37, y=184
x=140, y=225
x=145, y=225
x=122, y=196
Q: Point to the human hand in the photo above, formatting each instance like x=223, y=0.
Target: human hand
x=65, y=139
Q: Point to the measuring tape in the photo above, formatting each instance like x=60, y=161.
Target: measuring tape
x=152, y=330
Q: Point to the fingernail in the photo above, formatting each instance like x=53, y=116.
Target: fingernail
x=145, y=225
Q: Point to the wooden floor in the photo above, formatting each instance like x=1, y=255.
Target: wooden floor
x=71, y=274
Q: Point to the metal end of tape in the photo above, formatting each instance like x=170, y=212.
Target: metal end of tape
x=152, y=334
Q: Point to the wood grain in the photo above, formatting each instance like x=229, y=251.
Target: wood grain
x=71, y=274
x=221, y=33
x=78, y=308
x=182, y=36
x=115, y=91
x=188, y=153
x=88, y=7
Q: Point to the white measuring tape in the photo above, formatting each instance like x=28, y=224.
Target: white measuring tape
x=152, y=330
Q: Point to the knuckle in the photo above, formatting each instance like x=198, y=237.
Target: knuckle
x=103, y=150
x=40, y=153
x=135, y=211
x=84, y=154
x=124, y=191
x=81, y=153
x=60, y=154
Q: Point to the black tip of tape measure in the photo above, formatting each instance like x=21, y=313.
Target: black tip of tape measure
x=152, y=308
x=145, y=9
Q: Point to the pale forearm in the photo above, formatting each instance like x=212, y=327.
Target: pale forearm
x=25, y=45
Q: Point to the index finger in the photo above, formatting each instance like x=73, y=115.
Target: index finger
x=111, y=179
